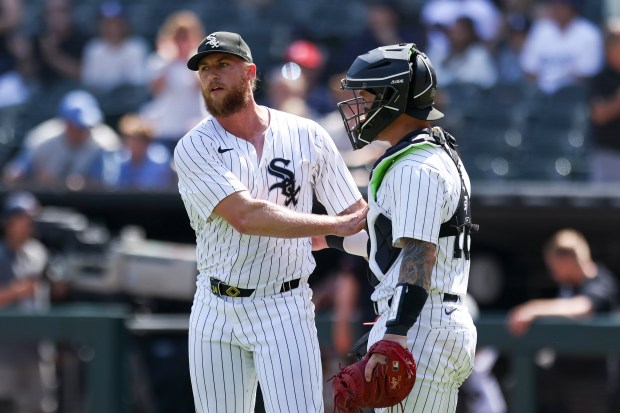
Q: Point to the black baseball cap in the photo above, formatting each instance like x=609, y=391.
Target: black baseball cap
x=221, y=42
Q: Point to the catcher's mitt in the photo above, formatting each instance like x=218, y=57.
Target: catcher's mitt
x=390, y=383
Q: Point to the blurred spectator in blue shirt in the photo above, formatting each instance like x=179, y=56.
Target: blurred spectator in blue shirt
x=141, y=164
x=68, y=157
x=562, y=48
x=516, y=28
x=23, y=261
x=22, y=257
x=605, y=111
x=114, y=58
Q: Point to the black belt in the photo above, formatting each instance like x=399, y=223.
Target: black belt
x=452, y=298
x=225, y=290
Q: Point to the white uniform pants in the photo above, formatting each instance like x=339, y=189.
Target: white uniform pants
x=443, y=344
x=236, y=342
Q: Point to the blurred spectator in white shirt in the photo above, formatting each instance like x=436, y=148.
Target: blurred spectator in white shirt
x=466, y=60
x=562, y=48
x=439, y=14
x=115, y=57
x=177, y=103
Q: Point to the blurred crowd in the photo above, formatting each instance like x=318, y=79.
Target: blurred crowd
x=532, y=87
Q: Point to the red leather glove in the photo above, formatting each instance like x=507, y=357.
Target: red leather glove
x=391, y=383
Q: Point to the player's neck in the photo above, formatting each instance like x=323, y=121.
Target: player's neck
x=250, y=123
x=401, y=127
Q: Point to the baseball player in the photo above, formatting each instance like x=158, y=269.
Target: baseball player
x=247, y=175
x=418, y=224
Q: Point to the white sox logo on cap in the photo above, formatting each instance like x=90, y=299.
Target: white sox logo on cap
x=221, y=42
x=212, y=41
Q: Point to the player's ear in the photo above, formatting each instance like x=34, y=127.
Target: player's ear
x=251, y=70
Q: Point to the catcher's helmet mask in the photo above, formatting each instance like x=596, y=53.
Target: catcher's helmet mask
x=403, y=81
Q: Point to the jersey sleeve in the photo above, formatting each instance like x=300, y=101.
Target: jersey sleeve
x=591, y=56
x=203, y=180
x=334, y=186
x=418, y=199
x=602, y=292
x=529, y=57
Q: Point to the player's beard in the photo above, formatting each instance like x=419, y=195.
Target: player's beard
x=232, y=101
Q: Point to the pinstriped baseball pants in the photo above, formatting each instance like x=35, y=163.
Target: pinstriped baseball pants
x=236, y=342
x=443, y=344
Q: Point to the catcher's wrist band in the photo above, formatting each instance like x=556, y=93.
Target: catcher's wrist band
x=407, y=304
x=334, y=241
x=356, y=244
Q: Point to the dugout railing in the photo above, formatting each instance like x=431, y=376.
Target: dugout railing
x=102, y=329
x=106, y=329
x=597, y=336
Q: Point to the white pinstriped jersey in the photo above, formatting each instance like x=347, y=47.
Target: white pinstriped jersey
x=299, y=159
x=419, y=193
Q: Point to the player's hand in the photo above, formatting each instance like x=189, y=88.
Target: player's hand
x=24, y=288
x=520, y=319
x=352, y=223
x=318, y=243
x=377, y=358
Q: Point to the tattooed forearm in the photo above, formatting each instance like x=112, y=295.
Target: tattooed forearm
x=418, y=261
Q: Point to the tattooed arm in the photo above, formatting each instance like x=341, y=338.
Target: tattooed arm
x=416, y=268
x=419, y=258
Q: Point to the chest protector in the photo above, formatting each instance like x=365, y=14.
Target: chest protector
x=459, y=225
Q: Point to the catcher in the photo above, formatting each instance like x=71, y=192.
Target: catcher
x=419, y=227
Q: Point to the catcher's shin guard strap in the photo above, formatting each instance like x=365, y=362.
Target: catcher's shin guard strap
x=407, y=304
